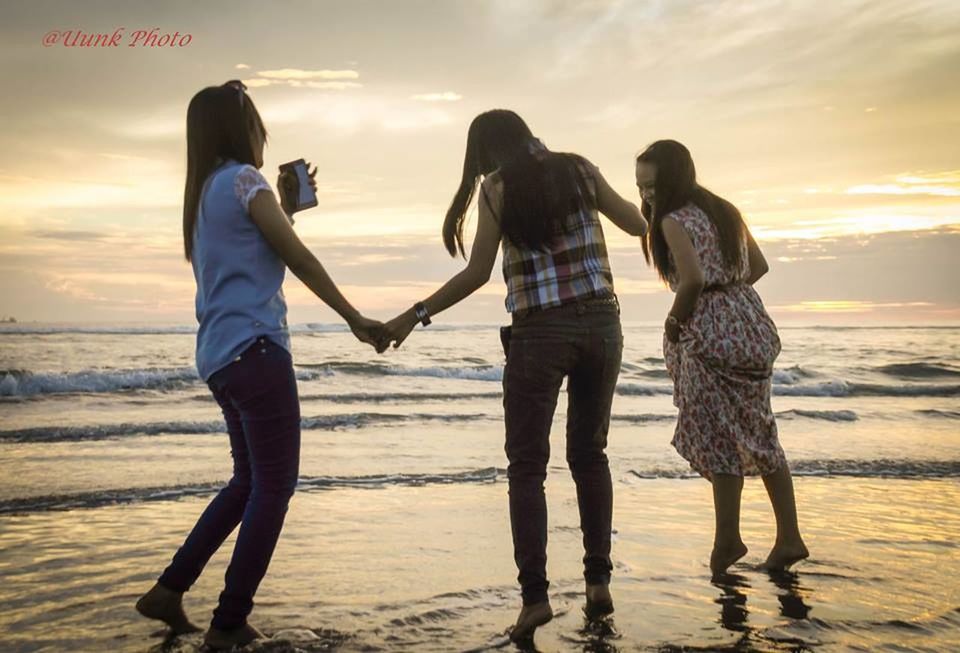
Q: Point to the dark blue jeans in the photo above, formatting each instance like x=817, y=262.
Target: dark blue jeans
x=258, y=396
x=584, y=343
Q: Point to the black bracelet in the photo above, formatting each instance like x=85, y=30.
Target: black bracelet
x=421, y=312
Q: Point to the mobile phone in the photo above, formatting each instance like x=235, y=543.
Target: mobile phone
x=305, y=197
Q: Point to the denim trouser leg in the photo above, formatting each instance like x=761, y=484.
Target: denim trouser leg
x=586, y=347
x=258, y=395
x=590, y=389
x=530, y=390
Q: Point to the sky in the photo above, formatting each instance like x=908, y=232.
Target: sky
x=834, y=127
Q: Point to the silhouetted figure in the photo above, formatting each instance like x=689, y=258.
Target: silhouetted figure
x=719, y=346
x=542, y=208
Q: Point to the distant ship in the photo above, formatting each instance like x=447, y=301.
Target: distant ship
x=9, y=319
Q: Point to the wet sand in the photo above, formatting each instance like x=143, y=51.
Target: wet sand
x=429, y=568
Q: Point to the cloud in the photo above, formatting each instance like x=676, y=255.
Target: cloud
x=899, y=189
x=864, y=221
x=845, y=306
x=296, y=73
x=446, y=96
x=940, y=184
x=242, y=66
x=69, y=234
x=295, y=83
x=331, y=80
x=347, y=114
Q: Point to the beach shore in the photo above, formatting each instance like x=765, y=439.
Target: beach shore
x=429, y=568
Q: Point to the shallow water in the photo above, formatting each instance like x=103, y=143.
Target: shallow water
x=398, y=538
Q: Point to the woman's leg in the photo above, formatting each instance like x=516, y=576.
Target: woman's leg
x=222, y=514
x=728, y=547
x=590, y=389
x=164, y=600
x=789, y=547
x=531, y=384
x=269, y=407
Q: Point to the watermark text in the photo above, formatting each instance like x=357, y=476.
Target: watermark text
x=120, y=37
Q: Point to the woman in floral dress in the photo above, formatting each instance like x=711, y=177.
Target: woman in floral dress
x=719, y=346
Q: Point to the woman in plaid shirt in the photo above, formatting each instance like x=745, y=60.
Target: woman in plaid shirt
x=542, y=208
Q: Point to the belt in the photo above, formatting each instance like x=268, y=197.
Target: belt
x=579, y=306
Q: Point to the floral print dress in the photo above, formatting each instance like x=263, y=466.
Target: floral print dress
x=722, y=366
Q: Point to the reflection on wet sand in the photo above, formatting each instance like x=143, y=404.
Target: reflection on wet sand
x=734, y=614
x=595, y=635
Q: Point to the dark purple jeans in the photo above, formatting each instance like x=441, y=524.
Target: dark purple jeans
x=258, y=396
x=583, y=342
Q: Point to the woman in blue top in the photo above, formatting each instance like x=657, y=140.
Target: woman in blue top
x=239, y=240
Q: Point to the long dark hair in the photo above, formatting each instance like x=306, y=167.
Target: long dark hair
x=539, y=191
x=674, y=186
x=219, y=121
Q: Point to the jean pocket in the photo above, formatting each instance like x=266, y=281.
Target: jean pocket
x=536, y=359
x=264, y=346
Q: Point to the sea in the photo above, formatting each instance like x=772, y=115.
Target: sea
x=398, y=536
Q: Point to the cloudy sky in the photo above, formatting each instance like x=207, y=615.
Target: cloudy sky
x=834, y=126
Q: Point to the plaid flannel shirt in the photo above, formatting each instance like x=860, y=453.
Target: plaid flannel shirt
x=574, y=267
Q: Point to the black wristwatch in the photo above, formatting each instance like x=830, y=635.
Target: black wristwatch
x=422, y=314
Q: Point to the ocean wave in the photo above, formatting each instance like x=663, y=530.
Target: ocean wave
x=643, y=389
x=912, y=390
x=919, y=370
x=317, y=423
x=936, y=412
x=329, y=422
x=829, y=415
x=394, y=397
x=793, y=381
x=98, y=498
x=897, y=469
x=644, y=418
x=28, y=328
x=24, y=383
x=464, y=372
x=883, y=468
x=51, y=329
x=841, y=388
x=791, y=375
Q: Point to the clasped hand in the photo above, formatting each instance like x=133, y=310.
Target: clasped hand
x=379, y=335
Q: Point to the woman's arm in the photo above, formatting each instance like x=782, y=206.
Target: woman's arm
x=463, y=284
x=758, y=264
x=622, y=213
x=690, y=276
x=272, y=221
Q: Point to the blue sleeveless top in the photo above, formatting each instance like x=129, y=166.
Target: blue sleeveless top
x=239, y=276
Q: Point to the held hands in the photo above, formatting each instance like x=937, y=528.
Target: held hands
x=397, y=329
x=380, y=335
x=369, y=331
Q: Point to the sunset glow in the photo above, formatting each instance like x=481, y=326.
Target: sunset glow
x=820, y=146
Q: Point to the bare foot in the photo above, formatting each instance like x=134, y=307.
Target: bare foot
x=166, y=605
x=218, y=639
x=599, y=601
x=724, y=555
x=783, y=555
x=530, y=618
